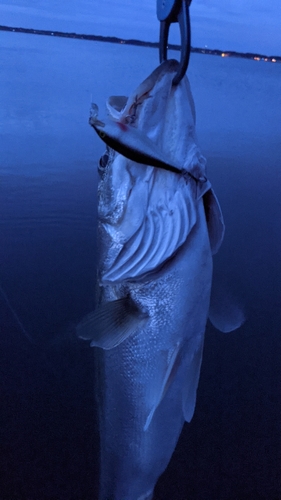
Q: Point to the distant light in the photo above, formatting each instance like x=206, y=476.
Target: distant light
x=273, y=60
x=265, y=59
x=224, y=54
x=257, y=58
x=122, y=41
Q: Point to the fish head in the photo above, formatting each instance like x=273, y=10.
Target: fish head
x=147, y=212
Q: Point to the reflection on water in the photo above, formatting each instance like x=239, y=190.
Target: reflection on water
x=231, y=450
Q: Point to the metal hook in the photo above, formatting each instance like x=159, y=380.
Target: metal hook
x=172, y=11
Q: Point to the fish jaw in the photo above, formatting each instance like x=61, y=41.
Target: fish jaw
x=150, y=134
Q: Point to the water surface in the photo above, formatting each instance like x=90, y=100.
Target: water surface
x=48, y=154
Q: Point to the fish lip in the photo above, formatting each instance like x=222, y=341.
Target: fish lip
x=95, y=122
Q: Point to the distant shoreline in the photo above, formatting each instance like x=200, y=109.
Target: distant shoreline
x=113, y=39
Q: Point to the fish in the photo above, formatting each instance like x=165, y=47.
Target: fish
x=159, y=225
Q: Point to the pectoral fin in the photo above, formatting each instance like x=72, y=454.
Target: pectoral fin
x=111, y=324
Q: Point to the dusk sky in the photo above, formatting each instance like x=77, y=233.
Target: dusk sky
x=242, y=25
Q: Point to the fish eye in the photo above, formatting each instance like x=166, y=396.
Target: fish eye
x=103, y=160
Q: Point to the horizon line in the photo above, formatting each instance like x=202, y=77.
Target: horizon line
x=114, y=39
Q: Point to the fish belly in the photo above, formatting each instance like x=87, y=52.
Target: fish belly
x=130, y=376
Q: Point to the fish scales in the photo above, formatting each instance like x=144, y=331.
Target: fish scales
x=154, y=281
x=139, y=364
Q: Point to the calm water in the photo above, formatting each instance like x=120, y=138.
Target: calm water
x=49, y=440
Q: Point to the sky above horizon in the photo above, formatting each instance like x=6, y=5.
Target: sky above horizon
x=241, y=25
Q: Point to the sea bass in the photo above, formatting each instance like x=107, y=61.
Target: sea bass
x=159, y=224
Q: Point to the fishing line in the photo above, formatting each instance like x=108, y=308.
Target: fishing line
x=18, y=321
x=48, y=365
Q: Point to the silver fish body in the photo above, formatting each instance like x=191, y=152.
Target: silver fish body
x=132, y=375
x=157, y=232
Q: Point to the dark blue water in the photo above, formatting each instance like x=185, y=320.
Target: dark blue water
x=49, y=439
